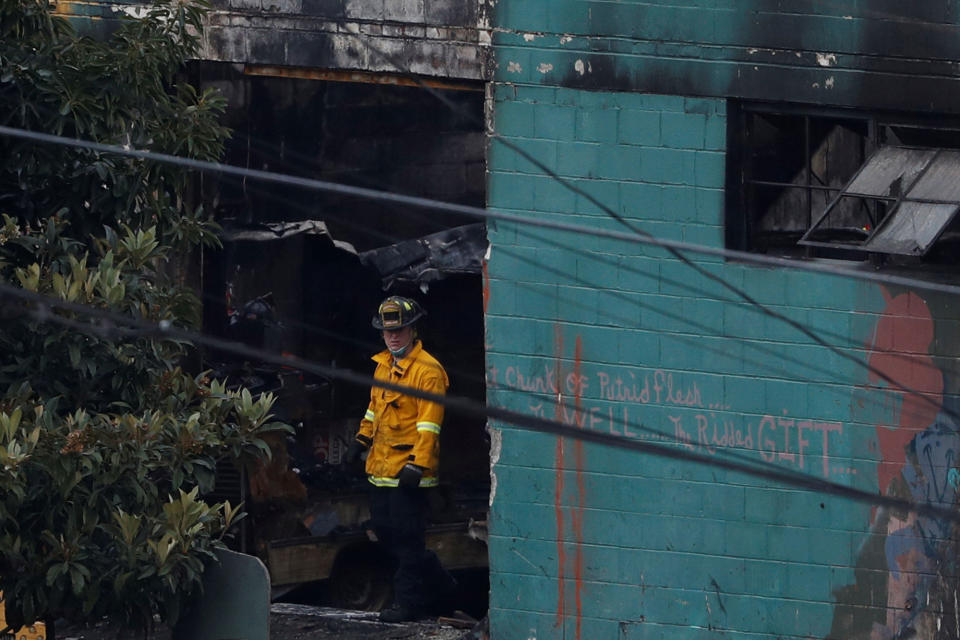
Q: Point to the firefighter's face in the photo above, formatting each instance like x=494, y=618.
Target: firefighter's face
x=397, y=339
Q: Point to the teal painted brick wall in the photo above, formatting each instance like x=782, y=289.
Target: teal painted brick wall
x=590, y=542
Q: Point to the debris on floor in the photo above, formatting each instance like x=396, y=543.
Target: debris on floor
x=302, y=622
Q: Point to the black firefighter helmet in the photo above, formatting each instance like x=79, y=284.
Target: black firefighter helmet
x=397, y=312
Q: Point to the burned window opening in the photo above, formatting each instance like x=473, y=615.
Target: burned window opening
x=295, y=287
x=391, y=138
x=838, y=184
x=303, y=272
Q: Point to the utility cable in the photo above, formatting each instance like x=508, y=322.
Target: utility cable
x=308, y=182
x=461, y=112
x=676, y=249
x=484, y=214
x=639, y=236
x=110, y=323
x=770, y=349
x=521, y=419
x=673, y=246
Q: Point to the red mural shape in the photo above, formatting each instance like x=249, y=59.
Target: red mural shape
x=901, y=359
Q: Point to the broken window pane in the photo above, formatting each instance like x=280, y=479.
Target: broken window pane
x=888, y=170
x=942, y=179
x=905, y=198
x=833, y=183
x=849, y=221
x=912, y=229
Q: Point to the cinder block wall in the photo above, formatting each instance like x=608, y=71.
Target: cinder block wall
x=592, y=542
x=589, y=542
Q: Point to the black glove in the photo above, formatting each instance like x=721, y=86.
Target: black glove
x=409, y=476
x=354, y=451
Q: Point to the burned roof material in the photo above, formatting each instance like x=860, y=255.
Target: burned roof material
x=419, y=261
x=269, y=231
x=453, y=251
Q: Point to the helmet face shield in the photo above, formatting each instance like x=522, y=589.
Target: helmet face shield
x=390, y=318
x=397, y=312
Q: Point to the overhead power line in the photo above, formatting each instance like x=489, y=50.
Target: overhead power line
x=635, y=235
x=676, y=249
x=112, y=323
x=483, y=214
x=567, y=403
x=530, y=422
x=320, y=185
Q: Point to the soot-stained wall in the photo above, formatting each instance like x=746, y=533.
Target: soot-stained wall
x=389, y=138
x=883, y=55
x=436, y=38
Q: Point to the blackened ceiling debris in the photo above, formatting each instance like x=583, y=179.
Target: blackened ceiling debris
x=268, y=231
x=430, y=258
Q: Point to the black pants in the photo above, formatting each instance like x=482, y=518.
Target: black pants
x=399, y=518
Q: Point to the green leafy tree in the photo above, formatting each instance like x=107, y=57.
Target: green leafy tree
x=106, y=443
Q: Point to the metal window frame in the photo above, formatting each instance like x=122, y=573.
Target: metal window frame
x=808, y=115
x=742, y=219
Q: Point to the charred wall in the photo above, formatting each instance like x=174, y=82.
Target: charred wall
x=898, y=56
x=391, y=138
x=429, y=37
x=436, y=38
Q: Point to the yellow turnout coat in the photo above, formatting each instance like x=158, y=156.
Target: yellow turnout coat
x=401, y=429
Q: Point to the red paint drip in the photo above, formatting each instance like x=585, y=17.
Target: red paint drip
x=486, y=285
x=581, y=491
x=558, y=491
x=561, y=550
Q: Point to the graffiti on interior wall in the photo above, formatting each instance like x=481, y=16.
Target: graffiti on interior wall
x=705, y=424
x=915, y=591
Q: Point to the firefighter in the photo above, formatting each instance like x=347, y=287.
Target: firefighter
x=402, y=436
